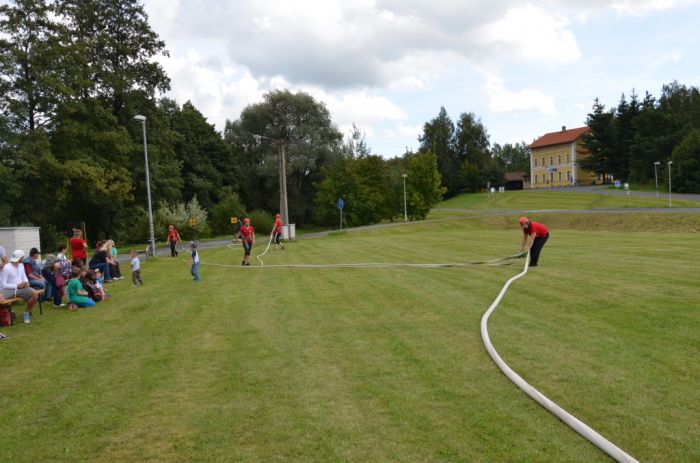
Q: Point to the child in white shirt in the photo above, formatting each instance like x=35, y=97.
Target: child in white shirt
x=135, y=269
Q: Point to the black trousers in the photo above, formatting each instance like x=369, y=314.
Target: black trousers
x=173, y=252
x=536, y=248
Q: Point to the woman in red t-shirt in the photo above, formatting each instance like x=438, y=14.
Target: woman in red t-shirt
x=78, y=247
x=535, y=235
x=247, y=236
x=278, y=232
x=173, y=239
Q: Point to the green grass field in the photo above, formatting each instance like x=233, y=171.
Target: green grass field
x=289, y=364
x=529, y=200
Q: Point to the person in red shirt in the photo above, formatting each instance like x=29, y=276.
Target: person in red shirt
x=173, y=239
x=247, y=236
x=78, y=247
x=278, y=232
x=535, y=235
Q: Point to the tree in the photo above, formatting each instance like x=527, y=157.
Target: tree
x=201, y=151
x=686, y=164
x=599, y=140
x=29, y=47
x=423, y=189
x=284, y=122
x=472, y=147
x=438, y=138
x=515, y=158
x=113, y=47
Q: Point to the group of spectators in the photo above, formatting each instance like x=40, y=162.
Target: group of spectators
x=79, y=281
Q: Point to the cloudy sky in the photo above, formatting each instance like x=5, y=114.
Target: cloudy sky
x=524, y=68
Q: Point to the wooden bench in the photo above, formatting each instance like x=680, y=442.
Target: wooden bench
x=7, y=304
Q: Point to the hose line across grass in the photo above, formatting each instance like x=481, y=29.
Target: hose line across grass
x=573, y=422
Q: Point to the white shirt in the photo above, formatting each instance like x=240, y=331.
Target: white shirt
x=135, y=264
x=11, y=276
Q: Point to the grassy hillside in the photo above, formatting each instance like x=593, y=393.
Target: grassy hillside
x=339, y=364
x=529, y=200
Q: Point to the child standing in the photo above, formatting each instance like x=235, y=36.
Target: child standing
x=135, y=269
x=194, y=261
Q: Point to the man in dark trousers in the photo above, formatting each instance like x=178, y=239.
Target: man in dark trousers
x=535, y=235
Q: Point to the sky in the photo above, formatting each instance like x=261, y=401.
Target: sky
x=523, y=68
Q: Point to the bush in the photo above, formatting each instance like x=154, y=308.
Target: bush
x=229, y=205
x=262, y=221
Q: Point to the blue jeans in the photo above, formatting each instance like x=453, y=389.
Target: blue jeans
x=195, y=271
x=87, y=303
x=105, y=269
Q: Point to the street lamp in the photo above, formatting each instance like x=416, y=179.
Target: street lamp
x=656, y=178
x=142, y=119
x=405, y=211
x=669, y=184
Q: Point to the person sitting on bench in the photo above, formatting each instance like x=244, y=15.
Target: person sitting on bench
x=14, y=283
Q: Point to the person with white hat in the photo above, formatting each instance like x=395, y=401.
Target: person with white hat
x=14, y=283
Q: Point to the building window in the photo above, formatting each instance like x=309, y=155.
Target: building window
x=568, y=157
x=559, y=159
x=560, y=176
x=568, y=176
x=535, y=178
x=551, y=160
x=535, y=162
x=551, y=177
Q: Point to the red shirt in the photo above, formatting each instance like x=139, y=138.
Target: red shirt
x=278, y=225
x=537, y=228
x=173, y=235
x=247, y=233
x=77, y=246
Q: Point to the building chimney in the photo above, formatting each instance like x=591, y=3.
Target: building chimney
x=563, y=128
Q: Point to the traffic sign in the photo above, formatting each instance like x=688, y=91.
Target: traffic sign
x=340, y=203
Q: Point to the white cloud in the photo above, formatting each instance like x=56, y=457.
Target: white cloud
x=530, y=32
x=671, y=57
x=503, y=101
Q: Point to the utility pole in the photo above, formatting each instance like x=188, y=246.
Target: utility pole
x=656, y=178
x=670, y=204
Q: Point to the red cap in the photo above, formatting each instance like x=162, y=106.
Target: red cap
x=523, y=220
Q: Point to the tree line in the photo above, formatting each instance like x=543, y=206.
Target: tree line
x=625, y=141
x=74, y=74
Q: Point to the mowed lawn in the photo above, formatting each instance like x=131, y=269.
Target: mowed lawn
x=345, y=364
x=533, y=200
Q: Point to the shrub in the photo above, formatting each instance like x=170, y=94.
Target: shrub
x=262, y=221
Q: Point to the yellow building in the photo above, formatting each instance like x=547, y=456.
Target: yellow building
x=555, y=157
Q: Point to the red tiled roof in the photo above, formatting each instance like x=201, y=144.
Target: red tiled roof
x=557, y=138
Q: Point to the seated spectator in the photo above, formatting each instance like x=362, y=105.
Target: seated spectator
x=78, y=247
x=53, y=278
x=77, y=296
x=95, y=292
x=14, y=283
x=114, y=269
x=61, y=255
x=99, y=279
x=3, y=257
x=33, y=268
x=99, y=260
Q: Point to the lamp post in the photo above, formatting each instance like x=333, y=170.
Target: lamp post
x=656, y=178
x=669, y=184
x=405, y=211
x=152, y=239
